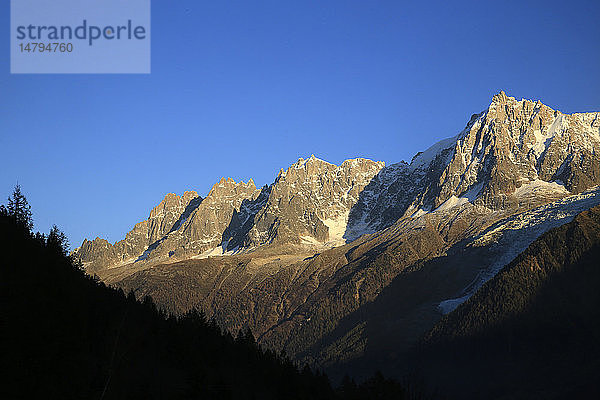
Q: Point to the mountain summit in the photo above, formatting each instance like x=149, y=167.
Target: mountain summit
x=516, y=154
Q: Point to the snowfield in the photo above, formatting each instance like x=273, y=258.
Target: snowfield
x=512, y=236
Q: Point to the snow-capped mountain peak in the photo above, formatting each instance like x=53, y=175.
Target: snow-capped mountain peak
x=516, y=154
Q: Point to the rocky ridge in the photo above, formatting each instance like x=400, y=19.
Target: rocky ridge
x=308, y=204
x=508, y=146
x=513, y=155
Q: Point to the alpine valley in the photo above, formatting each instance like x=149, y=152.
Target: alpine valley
x=367, y=266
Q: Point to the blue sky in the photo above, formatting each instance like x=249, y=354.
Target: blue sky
x=242, y=89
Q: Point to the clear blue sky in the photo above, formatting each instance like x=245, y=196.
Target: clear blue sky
x=242, y=89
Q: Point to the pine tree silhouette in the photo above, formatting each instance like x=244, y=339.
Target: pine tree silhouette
x=18, y=208
x=99, y=343
x=58, y=240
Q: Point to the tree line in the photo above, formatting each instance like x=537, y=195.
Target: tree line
x=67, y=335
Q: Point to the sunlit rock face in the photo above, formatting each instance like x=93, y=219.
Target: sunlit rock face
x=516, y=154
x=511, y=144
x=308, y=203
x=100, y=254
x=311, y=202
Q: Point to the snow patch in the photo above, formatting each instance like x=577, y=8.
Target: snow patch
x=420, y=212
x=512, y=236
x=452, y=202
x=542, y=141
x=309, y=240
x=467, y=197
x=448, y=306
x=426, y=157
x=358, y=228
x=337, y=227
x=472, y=194
x=539, y=187
x=218, y=251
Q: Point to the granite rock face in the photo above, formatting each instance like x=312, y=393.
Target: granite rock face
x=205, y=226
x=99, y=253
x=309, y=204
x=515, y=155
x=181, y=226
x=514, y=143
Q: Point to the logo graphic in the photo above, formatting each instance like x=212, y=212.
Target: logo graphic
x=80, y=36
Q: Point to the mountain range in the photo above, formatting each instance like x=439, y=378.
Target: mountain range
x=348, y=267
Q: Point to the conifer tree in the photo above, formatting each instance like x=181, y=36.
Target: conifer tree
x=58, y=240
x=18, y=208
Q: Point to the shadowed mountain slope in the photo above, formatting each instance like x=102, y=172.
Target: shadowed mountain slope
x=530, y=332
x=66, y=336
x=340, y=263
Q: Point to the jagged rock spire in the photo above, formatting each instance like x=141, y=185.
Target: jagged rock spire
x=506, y=146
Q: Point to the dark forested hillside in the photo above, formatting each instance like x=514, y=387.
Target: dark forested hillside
x=533, y=331
x=64, y=335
